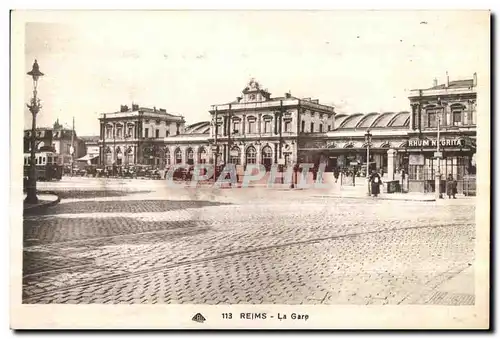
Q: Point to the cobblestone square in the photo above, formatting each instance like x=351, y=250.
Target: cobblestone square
x=253, y=245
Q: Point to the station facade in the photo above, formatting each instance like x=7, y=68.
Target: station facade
x=257, y=128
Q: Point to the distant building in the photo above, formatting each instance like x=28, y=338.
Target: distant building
x=136, y=135
x=58, y=139
x=92, y=149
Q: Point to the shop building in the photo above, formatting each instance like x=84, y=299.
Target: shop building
x=450, y=110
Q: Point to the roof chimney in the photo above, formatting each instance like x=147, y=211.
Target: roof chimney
x=238, y=99
x=474, y=79
x=435, y=82
x=447, y=79
x=288, y=95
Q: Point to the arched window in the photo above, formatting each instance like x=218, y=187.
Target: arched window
x=190, y=156
x=251, y=155
x=235, y=155
x=129, y=155
x=202, y=155
x=178, y=156
x=267, y=157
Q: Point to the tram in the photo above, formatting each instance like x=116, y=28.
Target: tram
x=47, y=164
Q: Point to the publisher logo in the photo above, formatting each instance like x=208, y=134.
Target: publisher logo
x=199, y=318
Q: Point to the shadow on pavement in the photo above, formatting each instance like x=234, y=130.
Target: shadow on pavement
x=95, y=232
x=118, y=206
x=87, y=194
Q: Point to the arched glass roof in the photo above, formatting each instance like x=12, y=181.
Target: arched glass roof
x=372, y=120
x=340, y=118
x=351, y=121
x=401, y=119
x=367, y=120
x=383, y=119
x=202, y=127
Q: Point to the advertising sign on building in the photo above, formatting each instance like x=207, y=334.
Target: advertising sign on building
x=417, y=159
x=433, y=142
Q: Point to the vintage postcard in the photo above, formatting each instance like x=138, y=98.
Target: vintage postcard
x=250, y=169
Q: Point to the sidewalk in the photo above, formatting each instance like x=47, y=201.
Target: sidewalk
x=44, y=200
x=382, y=196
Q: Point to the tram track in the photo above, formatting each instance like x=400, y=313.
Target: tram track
x=128, y=275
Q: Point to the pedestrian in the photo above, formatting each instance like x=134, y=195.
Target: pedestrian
x=375, y=182
x=403, y=177
x=336, y=174
x=451, y=187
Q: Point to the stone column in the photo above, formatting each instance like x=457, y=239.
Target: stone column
x=242, y=155
x=391, y=164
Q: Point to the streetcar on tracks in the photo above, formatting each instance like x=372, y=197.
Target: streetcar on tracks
x=47, y=164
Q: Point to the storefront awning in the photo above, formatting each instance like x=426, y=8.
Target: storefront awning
x=88, y=157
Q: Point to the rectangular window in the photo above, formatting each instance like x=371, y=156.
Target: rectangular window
x=267, y=126
x=157, y=133
x=146, y=132
x=431, y=119
x=312, y=127
x=457, y=118
x=130, y=132
x=251, y=126
x=119, y=132
x=167, y=133
x=288, y=126
x=303, y=126
x=321, y=128
x=108, y=133
x=236, y=127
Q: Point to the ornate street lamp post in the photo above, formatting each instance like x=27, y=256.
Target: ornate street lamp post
x=438, y=154
x=368, y=139
x=34, y=108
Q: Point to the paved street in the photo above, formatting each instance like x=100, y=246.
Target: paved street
x=141, y=242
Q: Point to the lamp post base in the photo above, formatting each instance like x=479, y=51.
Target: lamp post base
x=437, y=185
x=31, y=198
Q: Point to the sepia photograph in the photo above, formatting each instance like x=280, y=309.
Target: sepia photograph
x=250, y=169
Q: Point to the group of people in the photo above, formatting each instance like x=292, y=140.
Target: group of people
x=375, y=181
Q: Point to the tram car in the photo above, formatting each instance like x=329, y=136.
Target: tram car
x=47, y=164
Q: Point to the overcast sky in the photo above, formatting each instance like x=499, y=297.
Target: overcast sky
x=187, y=61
